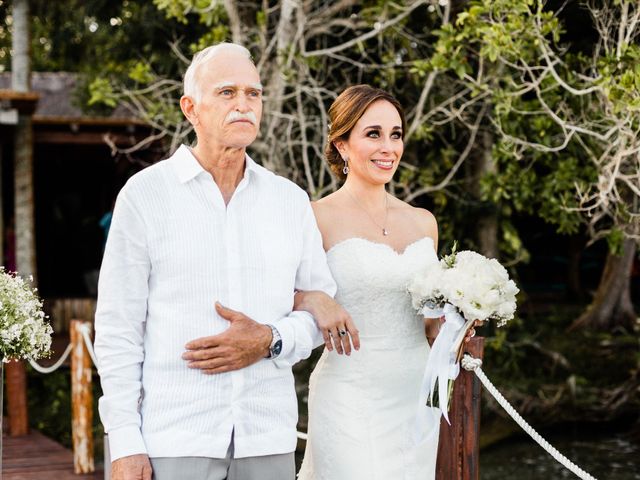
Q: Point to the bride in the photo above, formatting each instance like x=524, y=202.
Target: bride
x=363, y=407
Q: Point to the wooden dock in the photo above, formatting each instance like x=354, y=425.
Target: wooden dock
x=36, y=457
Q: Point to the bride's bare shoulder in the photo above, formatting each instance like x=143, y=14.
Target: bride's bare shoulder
x=423, y=218
x=325, y=208
x=421, y=214
x=325, y=204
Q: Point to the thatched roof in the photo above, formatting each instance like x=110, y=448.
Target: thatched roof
x=56, y=91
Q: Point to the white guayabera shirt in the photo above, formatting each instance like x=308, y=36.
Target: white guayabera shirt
x=174, y=248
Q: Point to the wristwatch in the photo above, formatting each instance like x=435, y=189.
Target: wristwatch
x=276, y=343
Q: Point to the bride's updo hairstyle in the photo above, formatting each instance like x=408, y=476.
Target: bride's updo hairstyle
x=344, y=113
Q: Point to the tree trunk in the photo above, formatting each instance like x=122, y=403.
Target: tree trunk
x=3, y=230
x=488, y=234
x=20, y=43
x=21, y=82
x=276, y=84
x=487, y=223
x=611, y=306
x=24, y=221
x=24, y=198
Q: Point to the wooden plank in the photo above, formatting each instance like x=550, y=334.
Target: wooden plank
x=83, y=138
x=91, y=121
x=36, y=457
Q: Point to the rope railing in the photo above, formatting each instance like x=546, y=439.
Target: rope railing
x=40, y=369
x=474, y=365
x=85, y=332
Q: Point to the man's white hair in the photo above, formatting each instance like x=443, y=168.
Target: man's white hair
x=192, y=87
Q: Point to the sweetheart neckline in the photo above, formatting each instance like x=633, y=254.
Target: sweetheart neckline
x=373, y=242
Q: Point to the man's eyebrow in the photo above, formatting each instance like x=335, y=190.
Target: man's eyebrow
x=223, y=85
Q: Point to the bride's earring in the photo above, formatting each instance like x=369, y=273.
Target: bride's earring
x=345, y=170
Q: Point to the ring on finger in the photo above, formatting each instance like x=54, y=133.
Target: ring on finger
x=342, y=332
x=473, y=332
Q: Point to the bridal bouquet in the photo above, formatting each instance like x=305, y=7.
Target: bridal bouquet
x=24, y=330
x=479, y=287
x=463, y=287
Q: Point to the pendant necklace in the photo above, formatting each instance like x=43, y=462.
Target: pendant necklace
x=382, y=227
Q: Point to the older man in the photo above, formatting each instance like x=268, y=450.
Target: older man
x=207, y=224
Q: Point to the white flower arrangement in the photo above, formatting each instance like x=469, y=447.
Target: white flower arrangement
x=24, y=330
x=463, y=287
x=479, y=287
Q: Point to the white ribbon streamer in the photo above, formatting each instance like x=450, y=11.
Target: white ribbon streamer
x=442, y=365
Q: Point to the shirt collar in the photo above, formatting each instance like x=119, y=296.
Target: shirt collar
x=187, y=166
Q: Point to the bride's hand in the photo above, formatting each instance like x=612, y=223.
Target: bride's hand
x=336, y=325
x=472, y=331
x=432, y=328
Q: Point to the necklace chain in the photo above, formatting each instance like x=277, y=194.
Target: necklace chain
x=382, y=227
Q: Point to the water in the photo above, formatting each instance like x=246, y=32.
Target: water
x=606, y=456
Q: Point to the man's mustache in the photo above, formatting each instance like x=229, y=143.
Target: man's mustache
x=234, y=116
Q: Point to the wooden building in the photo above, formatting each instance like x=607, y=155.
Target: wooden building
x=75, y=178
x=58, y=182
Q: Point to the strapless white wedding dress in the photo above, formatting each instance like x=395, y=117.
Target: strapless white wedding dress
x=362, y=408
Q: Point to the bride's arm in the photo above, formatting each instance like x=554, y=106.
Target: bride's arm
x=331, y=319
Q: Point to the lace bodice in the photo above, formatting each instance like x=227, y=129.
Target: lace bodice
x=372, y=283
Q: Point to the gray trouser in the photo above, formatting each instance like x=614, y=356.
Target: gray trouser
x=268, y=467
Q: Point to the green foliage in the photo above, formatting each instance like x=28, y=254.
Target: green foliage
x=620, y=79
x=141, y=73
x=485, y=53
x=102, y=92
x=615, y=240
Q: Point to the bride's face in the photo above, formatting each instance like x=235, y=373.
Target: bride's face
x=375, y=145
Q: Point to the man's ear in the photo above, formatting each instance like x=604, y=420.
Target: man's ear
x=188, y=107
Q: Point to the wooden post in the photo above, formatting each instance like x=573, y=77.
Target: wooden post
x=17, y=398
x=81, y=400
x=458, y=448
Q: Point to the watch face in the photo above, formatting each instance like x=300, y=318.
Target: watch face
x=277, y=348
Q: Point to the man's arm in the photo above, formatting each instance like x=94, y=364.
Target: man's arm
x=120, y=319
x=299, y=331
x=246, y=341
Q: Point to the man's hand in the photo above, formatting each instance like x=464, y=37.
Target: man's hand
x=335, y=323
x=244, y=343
x=133, y=467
